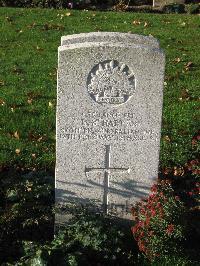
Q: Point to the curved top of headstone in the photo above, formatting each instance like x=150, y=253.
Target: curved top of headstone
x=126, y=38
x=84, y=45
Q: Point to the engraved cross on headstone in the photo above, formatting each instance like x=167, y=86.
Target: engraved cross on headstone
x=107, y=171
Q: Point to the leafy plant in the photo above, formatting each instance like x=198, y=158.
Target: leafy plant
x=193, y=8
x=159, y=228
x=174, y=8
x=34, y=3
x=86, y=240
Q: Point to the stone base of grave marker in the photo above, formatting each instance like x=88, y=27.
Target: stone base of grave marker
x=109, y=109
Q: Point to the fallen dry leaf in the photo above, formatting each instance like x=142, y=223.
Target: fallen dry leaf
x=29, y=101
x=167, y=171
x=33, y=95
x=50, y=104
x=136, y=22
x=16, y=134
x=39, y=48
x=68, y=14
x=49, y=26
x=167, y=138
x=146, y=24
x=2, y=83
x=179, y=41
x=2, y=102
x=185, y=94
x=31, y=25
x=177, y=60
x=17, y=151
x=39, y=139
x=9, y=19
x=189, y=65
x=178, y=171
x=19, y=31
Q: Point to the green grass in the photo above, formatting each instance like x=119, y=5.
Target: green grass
x=28, y=52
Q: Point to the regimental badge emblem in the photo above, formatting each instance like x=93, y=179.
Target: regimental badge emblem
x=110, y=82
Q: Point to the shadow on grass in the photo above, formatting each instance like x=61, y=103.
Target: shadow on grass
x=26, y=209
x=27, y=213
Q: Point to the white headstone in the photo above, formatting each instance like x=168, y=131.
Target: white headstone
x=109, y=109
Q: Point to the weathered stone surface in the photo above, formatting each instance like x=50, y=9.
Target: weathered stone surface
x=113, y=37
x=161, y=3
x=109, y=108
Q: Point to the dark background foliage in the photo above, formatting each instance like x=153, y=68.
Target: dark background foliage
x=34, y=3
x=77, y=3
